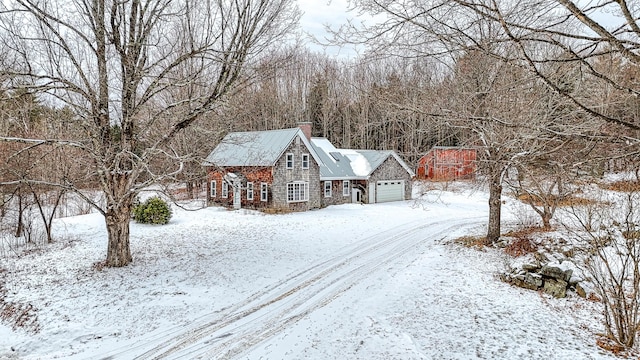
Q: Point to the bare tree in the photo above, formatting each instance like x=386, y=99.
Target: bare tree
x=543, y=187
x=607, y=237
x=499, y=109
x=543, y=39
x=545, y=32
x=121, y=66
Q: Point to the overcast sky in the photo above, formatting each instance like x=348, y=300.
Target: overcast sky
x=316, y=14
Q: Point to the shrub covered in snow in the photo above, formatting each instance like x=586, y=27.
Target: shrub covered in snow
x=153, y=211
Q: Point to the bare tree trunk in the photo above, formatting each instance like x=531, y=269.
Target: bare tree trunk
x=126, y=75
x=117, y=217
x=495, y=207
x=189, y=189
x=42, y=200
x=20, y=225
x=118, y=252
x=49, y=222
x=546, y=219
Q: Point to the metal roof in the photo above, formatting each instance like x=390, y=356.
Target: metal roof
x=349, y=163
x=334, y=165
x=377, y=157
x=264, y=148
x=255, y=148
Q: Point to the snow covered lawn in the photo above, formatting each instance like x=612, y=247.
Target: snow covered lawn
x=346, y=282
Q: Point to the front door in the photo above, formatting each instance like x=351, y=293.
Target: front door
x=356, y=195
x=237, y=199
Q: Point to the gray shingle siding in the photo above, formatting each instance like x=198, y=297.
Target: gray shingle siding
x=282, y=176
x=390, y=169
x=337, y=196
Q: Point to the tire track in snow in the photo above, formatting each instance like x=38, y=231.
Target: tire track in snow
x=267, y=313
x=271, y=293
x=178, y=334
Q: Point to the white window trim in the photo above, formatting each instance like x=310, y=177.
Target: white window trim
x=327, y=191
x=264, y=192
x=249, y=191
x=225, y=189
x=213, y=190
x=345, y=188
x=299, y=191
x=289, y=155
x=305, y=161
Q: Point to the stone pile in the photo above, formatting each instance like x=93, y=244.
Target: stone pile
x=550, y=279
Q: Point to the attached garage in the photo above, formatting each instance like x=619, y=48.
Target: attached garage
x=389, y=190
x=366, y=176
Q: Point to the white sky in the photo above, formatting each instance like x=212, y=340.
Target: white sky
x=317, y=14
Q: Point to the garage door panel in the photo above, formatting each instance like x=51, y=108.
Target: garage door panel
x=390, y=190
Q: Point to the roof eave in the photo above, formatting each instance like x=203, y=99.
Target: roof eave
x=327, y=178
x=399, y=160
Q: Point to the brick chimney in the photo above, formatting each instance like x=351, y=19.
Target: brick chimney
x=306, y=129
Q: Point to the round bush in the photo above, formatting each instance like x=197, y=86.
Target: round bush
x=153, y=211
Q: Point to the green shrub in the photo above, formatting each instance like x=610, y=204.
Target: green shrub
x=153, y=211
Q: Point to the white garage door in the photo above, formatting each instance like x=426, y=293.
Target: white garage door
x=390, y=191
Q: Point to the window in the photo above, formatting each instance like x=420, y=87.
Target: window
x=249, y=191
x=327, y=188
x=289, y=161
x=305, y=161
x=345, y=187
x=213, y=189
x=225, y=189
x=264, y=192
x=297, y=191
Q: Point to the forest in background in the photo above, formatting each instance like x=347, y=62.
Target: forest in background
x=405, y=105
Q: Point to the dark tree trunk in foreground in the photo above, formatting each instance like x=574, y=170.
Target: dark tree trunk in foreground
x=117, y=218
x=118, y=252
x=495, y=207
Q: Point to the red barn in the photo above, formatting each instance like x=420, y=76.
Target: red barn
x=447, y=163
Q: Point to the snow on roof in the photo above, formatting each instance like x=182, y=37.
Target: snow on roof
x=333, y=165
x=264, y=148
x=359, y=163
x=377, y=157
x=350, y=163
x=323, y=144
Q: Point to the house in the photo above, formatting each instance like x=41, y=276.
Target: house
x=447, y=163
x=287, y=169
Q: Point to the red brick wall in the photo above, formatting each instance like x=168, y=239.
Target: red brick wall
x=256, y=175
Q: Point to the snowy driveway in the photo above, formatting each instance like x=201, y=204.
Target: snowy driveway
x=276, y=308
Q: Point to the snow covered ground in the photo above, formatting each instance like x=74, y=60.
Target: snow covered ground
x=346, y=282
